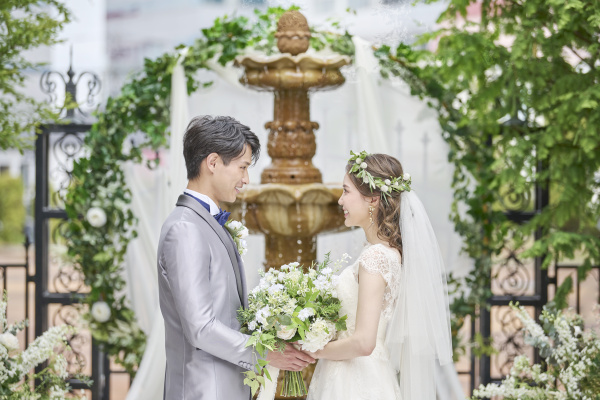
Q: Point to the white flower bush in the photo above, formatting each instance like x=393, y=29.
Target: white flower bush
x=290, y=306
x=571, y=367
x=16, y=366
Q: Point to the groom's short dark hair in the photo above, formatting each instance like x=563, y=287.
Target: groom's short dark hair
x=222, y=135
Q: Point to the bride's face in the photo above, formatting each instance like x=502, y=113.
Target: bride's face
x=354, y=205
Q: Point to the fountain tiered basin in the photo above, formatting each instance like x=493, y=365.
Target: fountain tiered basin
x=291, y=206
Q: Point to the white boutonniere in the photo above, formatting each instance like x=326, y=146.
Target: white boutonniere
x=238, y=232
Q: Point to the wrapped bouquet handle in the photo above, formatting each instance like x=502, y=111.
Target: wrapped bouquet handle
x=267, y=391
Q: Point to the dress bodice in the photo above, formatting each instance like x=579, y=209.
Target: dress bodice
x=375, y=259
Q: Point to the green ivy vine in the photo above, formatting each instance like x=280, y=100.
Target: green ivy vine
x=502, y=110
x=517, y=94
x=101, y=223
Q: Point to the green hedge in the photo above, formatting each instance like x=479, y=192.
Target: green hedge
x=12, y=210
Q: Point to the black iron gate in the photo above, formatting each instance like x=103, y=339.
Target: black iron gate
x=59, y=285
x=514, y=279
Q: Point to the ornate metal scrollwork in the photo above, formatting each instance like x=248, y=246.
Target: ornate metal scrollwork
x=513, y=277
x=78, y=342
x=66, y=150
x=511, y=200
x=49, y=85
x=68, y=278
x=512, y=343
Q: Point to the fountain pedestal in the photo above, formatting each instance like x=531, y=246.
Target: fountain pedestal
x=292, y=205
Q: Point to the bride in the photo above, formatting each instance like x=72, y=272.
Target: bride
x=395, y=295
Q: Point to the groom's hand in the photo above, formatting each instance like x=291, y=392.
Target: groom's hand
x=290, y=359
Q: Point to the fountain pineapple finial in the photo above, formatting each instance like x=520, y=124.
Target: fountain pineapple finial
x=293, y=33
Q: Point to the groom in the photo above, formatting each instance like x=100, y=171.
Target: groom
x=201, y=275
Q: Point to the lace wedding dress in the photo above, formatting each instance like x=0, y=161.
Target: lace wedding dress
x=371, y=377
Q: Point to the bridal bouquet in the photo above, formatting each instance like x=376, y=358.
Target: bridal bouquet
x=16, y=365
x=290, y=306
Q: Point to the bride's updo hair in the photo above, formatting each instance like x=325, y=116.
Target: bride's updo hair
x=387, y=215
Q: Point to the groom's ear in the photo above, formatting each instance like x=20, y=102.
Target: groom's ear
x=211, y=161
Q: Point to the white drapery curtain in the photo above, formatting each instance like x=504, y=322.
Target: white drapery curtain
x=153, y=200
x=361, y=115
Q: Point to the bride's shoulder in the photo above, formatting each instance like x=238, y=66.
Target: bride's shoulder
x=379, y=250
x=378, y=254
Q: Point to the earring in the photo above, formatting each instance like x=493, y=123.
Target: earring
x=371, y=214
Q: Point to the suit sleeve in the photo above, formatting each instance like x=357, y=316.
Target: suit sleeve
x=187, y=269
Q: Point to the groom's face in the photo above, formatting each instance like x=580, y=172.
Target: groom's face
x=229, y=179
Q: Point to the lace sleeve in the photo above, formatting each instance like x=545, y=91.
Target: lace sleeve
x=377, y=260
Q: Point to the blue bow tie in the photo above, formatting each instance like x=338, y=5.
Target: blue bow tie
x=221, y=217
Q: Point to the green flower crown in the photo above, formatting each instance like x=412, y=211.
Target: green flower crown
x=385, y=186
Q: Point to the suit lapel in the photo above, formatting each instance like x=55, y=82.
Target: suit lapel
x=186, y=201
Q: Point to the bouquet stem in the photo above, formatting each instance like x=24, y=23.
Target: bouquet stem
x=293, y=384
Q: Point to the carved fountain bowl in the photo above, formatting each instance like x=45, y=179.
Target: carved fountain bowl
x=290, y=217
x=287, y=72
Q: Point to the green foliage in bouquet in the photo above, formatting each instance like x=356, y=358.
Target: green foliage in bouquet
x=517, y=93
x=16, y=365
x=291, y=306
x=570, y=369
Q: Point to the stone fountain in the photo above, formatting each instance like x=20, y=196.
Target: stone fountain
x=292, y=205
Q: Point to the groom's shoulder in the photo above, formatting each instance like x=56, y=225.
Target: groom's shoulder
x=183, y=222
x=183, y=215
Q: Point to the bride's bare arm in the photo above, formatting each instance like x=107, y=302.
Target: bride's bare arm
x=370, y=302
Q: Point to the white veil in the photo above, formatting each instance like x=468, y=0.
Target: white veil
x=419, y=330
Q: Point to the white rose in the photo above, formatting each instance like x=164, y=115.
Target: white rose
x=235, y=224
x=365, y=179
x=252, y=325
x=321, y=332
x=384, y=188
x=406, y=177
x=286, y=332
x=244, y=233
x=363, y=165
x=388, y=182
x=96, y=217
x=10, y=341
x=100, y=311
x=358, y=160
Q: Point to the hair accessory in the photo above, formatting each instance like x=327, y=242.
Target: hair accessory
x=385, y=186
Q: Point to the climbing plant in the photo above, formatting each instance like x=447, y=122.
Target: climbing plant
x=515, y=90
x=502, y=108
x=101, y=223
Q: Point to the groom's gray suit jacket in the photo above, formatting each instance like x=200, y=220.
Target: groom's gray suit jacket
x=201, y=285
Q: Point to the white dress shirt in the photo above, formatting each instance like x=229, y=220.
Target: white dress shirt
x=214, y=209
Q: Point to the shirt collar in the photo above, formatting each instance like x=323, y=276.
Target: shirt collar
x=214, y=209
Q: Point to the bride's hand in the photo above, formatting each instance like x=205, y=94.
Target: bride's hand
x=314, y=355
